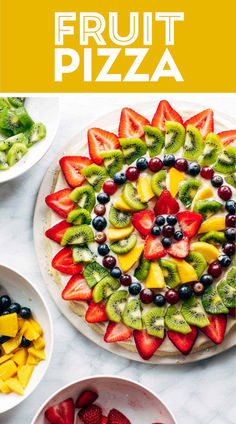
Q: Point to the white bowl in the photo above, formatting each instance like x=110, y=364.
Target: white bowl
x=41, y=109
x=137, y=402
x=22, y=291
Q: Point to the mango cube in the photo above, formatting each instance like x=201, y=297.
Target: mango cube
x=24, y=373
x=7, y=369
x=31, y=333
x=15, y=386
x=5, y=358
x=20, y=356
x=4, y=388
x=9, y=325
x=39, y=343
x=32, y=360
x=36, y=326
x=40, y=354
x=12, y=344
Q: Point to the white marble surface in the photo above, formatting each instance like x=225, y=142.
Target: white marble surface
x=200, y=393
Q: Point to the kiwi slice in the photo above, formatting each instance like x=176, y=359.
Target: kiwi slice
x=16, y=152
x=154, y=321
x=174, y=137
x=113, y=161
x=231, y=277
x=4, y=103
x=121, y=247
x=212, y=302
x=16, y=101
x=132, y=315
x=84, y=197
x=132, y=148
x=3, y=161
x=142, y=270
x=170, y=272
x=194, y=313
x=207, y=207
x=213, y=237
x=118, y=218
x=158, y=182
x=24, y=117
x=94, y=272
x=9, y=120
x=226, y=162
x=198, y=262
x=105, y=288
x=175, y=321
x=231, y=180
x=213, y=147
x=82, y=254
x=154, y=139
x=188, y=190
x=36, y=133
x=95, y=175
x=130, y=196
x=8, y=142
x=79, y=234
x=194, y=143
x=79, y=217
x=227, y=294
x=115, y=305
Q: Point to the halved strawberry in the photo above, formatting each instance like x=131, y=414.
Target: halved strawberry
x=183, y=342
x=203, y=121
x=57, y=231
x=180, y=249
x=228, y=137
x=117, y=332
x=100, y=140
x=146, y=344
x=104, y=420
x=63, y=262
x=143, y=221
x=86, y=398
x=232, y=312
x=116, y=417
x=165, y=113
x=92, y=414
x=77, y=289
x=96, y=312
x=153, y=248
x=71, y=167
x=216, y=330
x=62, y=413
x=60, y=202
x=189, y=222
x=131, y=124
x=166, y=204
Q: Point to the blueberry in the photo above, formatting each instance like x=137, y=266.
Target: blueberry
x=166, y=242
x=116, y=272
x=230, y=206
x=5, y=313
x=14, y=308
x=135, y=288
x=142, y=164
x=178, y=235
x=168, y=160
x=160, y=220
x=99, y=223
x=5, y=302
x=230, y=234
x=217, y=181
x=171, y=219
x=25, y=342
x=206, y=280
x=25, y=312
x=119, y=178
x=156, y=231
x=4, y=339
x=185, y=291
x=103, y=198
x=159, y=300
x=193, y=169
x=103, y=249
x=224, y=261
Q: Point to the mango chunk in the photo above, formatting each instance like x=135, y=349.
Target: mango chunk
x=186, y=272
x=4, y=388
x=122, y=206
x=40, y=354
x=127, y=260
x=15, y=386
x=144, y=189
x=175, y=178
x=119, y=233
x=7, y=369
x=155, y=278
x=24, y=373
x=12, y=344
x=32, y=360
x=204, y=193
x=39, y=343
x=216, y=223
x=5, y=358
x=20, y=356
x=30, y=332
x=210, y=252
x=9, y=325
x=36, y=326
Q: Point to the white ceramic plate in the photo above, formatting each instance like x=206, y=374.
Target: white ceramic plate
x=138, y=403
x=41, y=109
x=22, y=291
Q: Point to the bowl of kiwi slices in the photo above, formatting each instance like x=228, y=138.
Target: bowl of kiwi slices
x=27, y=129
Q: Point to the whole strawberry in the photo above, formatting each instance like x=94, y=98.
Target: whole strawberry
x=116, y=417
x=92, y=414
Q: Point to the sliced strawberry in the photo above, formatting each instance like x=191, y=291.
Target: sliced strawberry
x=189, y=222
x=71, y=167
x=143, y=221
x=63, y=262
x=180, y=249
x=153, y=248
x=57, y=231
x=203, y=121
x=86, y=398
x=117, y=332
x=165, y=113
x=100, y=140
x=146, y=344
x=96, y=312
x=77, y=289
x=104, y=420
x=116, y=417
x=131, y=124
x=166, y=204
x=228, y=137
x=62, y=413
x=92, y=414
x=183, y=342
x=232, y=312
x=216, y=330
x=60, y=202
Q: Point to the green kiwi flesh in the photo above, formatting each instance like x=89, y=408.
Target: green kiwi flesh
x=188, y=190
x=80, y=234
x=94, y=272
x=118, y=218
x=213, y=237
x=132, y=315
x=123, y=246
x=158, y=182
x=130, y=196
x=154, y=140
x=170, y=272
x=95, y=175
x=84, y=197
x=105, y=288
x=133, y=148
x=3, y=161
x=198, y=262
x=193, y=312
x=212, y=302
x=226, y=162
x=207, y=207
x=79, y=217
x=16, y=152
x=211, y=151
x=82, y=254
x=174, y=136
x=153, y=320
x=142, y=270
x=231, y=179
x=175, y=321
x=115, y=305
x=227, y=294
x=113, y=161
x=194, y=143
